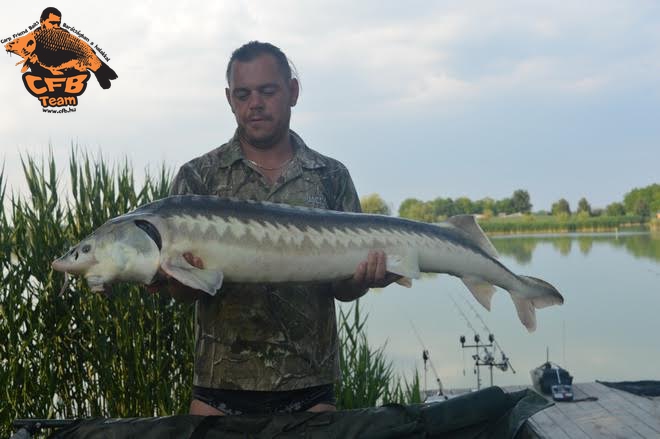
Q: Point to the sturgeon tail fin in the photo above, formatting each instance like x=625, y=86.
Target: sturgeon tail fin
x=538, y=294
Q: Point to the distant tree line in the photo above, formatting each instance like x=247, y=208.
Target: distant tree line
x=643, y=202
x=441, y=208
x=374, y=204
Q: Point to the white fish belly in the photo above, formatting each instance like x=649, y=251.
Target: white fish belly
x=240, y=263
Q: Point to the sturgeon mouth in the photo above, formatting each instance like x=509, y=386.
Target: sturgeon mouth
x=69, y=262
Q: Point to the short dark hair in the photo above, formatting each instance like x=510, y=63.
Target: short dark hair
x=249, y=51
x=48, y=11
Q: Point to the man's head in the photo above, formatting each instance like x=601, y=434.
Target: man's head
x=50, y=18
x=261, y=92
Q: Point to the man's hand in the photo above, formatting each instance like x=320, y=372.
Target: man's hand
x=168, y=285
x=371, y=273
x=193, y=260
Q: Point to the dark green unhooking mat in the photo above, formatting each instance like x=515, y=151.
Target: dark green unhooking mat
x=641, y=388
x=489, y=413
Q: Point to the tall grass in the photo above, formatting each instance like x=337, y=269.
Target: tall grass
x=82, y=354
x=368, y=378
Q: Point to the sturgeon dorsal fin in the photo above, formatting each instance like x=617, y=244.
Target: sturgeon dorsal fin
x=469, y=225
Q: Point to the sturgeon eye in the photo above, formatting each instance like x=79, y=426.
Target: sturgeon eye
x=86, y=248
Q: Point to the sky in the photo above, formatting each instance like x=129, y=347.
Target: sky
x=418, y=99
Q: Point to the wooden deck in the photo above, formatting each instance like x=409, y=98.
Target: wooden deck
x=616, y=414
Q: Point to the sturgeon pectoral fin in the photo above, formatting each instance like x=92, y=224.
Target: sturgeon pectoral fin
x=405, y=282
x=208, y=281
x=480, y=289
x=404, y=264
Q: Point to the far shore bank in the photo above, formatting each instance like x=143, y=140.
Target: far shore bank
x=548, y=224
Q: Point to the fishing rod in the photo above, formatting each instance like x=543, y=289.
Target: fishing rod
x=427, y=358
x=467, y=321
x=497, y=345
x=487, y=359
x=460, y=311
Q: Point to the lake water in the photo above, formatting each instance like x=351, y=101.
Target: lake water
x=608, y=328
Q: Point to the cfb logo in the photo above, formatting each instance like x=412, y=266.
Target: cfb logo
x=56, y=91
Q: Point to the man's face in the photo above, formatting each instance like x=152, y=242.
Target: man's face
x=261, y=99
x=52, y=22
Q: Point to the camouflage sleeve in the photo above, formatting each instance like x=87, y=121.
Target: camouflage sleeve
x=347, y=199
x=188, y=181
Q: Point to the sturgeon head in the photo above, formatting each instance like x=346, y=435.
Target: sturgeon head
x=123, y=249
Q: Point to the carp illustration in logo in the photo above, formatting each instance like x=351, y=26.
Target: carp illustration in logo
x=59, y=62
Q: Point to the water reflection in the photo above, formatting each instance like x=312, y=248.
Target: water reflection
x=642, y=245
x=585, y=244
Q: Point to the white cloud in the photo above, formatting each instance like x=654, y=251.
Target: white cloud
x=360, y=62
x=588, y=84
x=437, y=88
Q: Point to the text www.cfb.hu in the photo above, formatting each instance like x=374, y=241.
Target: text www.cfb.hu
x=61, y=110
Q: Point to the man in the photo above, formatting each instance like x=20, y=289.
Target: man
x=269, y=348
x=51, y=18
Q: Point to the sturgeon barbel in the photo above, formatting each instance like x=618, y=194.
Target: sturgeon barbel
x=250, y=241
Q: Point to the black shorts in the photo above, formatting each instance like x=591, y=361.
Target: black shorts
x=238, y=402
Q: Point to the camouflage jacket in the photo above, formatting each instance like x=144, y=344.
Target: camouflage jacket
x=268, y=337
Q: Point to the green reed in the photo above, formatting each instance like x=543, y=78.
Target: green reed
x=82, y=354
x=368, y=378
x=561, y=224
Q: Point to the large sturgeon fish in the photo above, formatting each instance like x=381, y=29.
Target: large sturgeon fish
x=249, y=241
